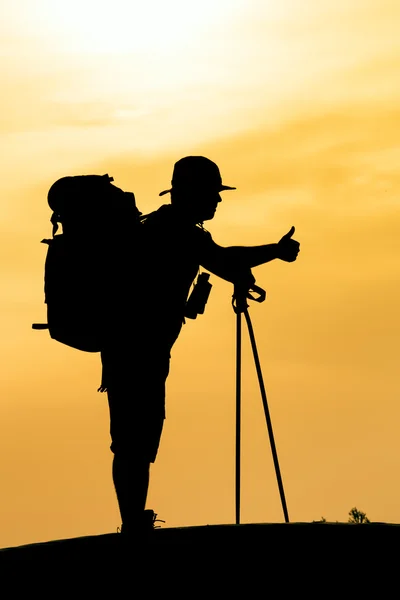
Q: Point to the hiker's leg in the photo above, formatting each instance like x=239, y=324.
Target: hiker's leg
x=131, y=481
x=136, y=397
x=135, y=441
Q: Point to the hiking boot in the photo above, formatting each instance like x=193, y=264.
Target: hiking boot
x=144, y=526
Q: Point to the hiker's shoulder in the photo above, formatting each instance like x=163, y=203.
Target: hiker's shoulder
x=166, y=216
x=161, y=216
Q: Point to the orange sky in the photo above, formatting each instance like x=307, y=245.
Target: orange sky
x=298, y=104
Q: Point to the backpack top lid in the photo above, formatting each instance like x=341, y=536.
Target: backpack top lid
x=80, y=200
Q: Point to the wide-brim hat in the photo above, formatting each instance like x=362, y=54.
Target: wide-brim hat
x=196, y=172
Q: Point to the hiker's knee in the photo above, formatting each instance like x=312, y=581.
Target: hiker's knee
x=137, y=450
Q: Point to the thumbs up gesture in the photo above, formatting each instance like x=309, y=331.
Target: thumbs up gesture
x=287, y=248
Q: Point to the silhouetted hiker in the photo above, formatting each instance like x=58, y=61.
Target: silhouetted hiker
x=148, y=321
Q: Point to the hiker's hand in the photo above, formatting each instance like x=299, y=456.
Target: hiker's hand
x=287, y=248
x=244, y=282
x=245, y=279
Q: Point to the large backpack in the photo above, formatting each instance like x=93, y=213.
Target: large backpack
x=86, y=263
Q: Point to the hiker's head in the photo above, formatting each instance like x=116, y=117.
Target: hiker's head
x=196, y=186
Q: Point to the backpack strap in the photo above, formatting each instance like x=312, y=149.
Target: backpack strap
x=55, y=220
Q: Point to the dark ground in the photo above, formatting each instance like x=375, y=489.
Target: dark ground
x=319, y=560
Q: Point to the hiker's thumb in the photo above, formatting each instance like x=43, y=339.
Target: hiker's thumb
x=288, y=234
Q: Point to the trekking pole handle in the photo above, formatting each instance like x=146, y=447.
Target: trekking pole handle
x=241, y=295
x=262, y=294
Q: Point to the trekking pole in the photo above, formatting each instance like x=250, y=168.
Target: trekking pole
x=239, y=304
x=242, y=306
x=238, y=413
x=267, y=416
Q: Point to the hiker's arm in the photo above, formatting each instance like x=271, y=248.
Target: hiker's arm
x=234, y=261
x=251, y=256
x=228, y=266
x=286, y=249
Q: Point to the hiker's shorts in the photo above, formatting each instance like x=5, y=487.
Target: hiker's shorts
x=135, y=383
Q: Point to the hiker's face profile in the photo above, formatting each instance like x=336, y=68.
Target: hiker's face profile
x=206, y=204
x=199, y=204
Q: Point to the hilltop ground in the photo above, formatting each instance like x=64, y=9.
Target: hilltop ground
x=318, y=559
